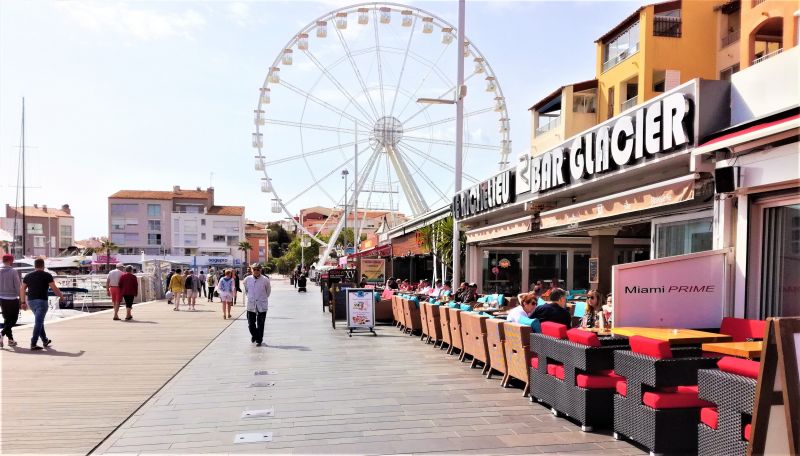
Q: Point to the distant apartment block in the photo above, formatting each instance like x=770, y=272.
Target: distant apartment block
x=47, y=231
x=177, y=222
x=323, y=220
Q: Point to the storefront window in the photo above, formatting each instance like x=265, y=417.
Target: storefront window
x=502, y=272
x=547, y=266
x=682, y=237
x=780, y=262
x=580, y=271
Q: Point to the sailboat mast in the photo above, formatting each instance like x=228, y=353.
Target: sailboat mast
x=24, y=222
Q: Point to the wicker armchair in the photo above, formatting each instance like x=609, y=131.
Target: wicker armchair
x=473, y=333
x=456, y=341
x=657, y=405
x=732, y=388
x=432, y=322
x=423, y=316
x=495, y=338
x=413, y=320
x=444, y=323
x=518, y=353
x=574, y=375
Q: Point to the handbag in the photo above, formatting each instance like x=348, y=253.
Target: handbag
x=216, y=294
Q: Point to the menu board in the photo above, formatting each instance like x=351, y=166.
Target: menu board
x=360, y=309
x=373, y=270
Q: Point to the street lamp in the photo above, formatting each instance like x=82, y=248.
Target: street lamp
x=344, y=176
x=459, y=102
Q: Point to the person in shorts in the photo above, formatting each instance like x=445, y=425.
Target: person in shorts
x=226, y=288
x=176, y=287
x=112, y=285
x=129, y=287
x=192, y=287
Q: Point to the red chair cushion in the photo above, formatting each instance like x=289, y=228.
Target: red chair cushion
x=556, y=330
x=535, y=362
x=556, y=370
x=739, y=366
x=582, y=337
x=709, y=416
x=746, y=432
x=651, y=347
x=742, y=329
x=602, y=380
x=622, y=388
x=684, y=397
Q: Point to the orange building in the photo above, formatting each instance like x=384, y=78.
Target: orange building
x=257, y=235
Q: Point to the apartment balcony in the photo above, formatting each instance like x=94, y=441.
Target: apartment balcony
x=554, y=123
x=730, y=38
x=614, y=61
x=629, y=103
x=668, y=26
x=767, y=56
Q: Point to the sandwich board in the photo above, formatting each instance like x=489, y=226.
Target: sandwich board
x=360, y=310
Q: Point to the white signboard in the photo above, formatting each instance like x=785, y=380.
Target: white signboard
x=360, y=309
x=685, y=291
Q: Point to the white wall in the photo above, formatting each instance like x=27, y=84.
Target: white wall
x=207, y=244
x=766, y=87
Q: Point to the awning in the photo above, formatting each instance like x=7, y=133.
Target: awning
x=518, y=226
x=662, y=194
x=377, y=251
x=749, y=134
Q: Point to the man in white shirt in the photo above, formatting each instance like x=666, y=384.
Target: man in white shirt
x=112, y=288
x=524, y=309
x=257, y=288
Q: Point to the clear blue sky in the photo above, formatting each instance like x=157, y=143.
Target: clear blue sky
x=150, y=94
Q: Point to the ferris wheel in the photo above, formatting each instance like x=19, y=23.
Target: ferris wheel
x=343, y=94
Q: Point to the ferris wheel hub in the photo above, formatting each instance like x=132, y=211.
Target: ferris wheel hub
x=387, y=132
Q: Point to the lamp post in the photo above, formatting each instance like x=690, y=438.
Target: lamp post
x=344, y=176
x=461, y=92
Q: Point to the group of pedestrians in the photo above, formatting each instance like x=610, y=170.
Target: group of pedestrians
x=122, y=286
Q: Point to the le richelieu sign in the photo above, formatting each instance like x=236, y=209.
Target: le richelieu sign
x=494, y=192
x=662, y=126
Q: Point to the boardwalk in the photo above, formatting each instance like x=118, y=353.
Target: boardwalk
x=331, y=394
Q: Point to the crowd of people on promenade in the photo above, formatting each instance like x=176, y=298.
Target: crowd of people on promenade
x=31, y=292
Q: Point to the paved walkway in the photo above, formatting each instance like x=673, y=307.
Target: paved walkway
x=98, y=371
x=333, y=394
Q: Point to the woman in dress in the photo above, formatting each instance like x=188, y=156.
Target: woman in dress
x=594, y=311
x=226, y=289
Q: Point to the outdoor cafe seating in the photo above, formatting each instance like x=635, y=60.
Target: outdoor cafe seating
x=495, y=340
x=473, y=333
x=574, y=373
x=432, y=323
x=518, y=353
x=456, y=340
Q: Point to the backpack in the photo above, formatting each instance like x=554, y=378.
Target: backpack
x=210, y=280
x=188, y=284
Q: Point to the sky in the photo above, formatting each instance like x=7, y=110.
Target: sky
x=152, y=94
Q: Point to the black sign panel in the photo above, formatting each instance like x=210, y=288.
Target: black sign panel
x=343, y=275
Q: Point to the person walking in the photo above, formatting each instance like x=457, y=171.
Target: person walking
x=176, y=287
x=166, y=287
x=226, y=288
x=211, y=281
x=202, y=278
x=112, y=288
x=36, y=285
x=258, y=289
x=10, y=303
x=192, y=287
x=129, y=287
x=238, y=287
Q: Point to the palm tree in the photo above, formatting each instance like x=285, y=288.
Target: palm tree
x=245, y=247
x=108, y=247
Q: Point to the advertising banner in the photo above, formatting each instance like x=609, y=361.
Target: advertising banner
x=360, y=309
x=373, y=270
x=684, y=291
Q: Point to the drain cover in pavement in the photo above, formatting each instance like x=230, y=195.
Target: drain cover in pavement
x=253, y=437
x=258, y=413
x=261, y=384
x=267, y=372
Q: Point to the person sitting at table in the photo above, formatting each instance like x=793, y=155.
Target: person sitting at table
x=458, y=296
x=553, y=286
x=555, y=310
x=435, y=290
x=446, y=292
x=608, y=309
x=423, y=287
x=537, y=288
x=594, y=312
x=403, y=284
x=526, y=306
x=471, y=294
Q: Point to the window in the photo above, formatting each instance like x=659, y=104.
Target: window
x=546, y=266
x=502, y=272
x=725, y=75
x=38, y=241
x=154, y=239
x=124, y=238
x=35, y=228
x=233, y=241
x=190, y=239
x=621, y=47
x=667, y=23
x=189, y=208
x=124, y=209
x=154, y=210
x=190, y=226
x=121, y=224
x=584, y=102
x=176, y=226
x=154, y=225
x=218, y=238
x=202, y=236
x=680, y=237
x=202, y=222
x=65, y=235
x=229, y=226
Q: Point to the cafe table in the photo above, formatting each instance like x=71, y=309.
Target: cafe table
x=749, y=350
x=675, y=336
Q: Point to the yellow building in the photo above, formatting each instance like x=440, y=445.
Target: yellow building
x=566, y=112
x=655, y=49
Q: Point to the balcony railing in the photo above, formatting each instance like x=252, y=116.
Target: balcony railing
x=768, y=56
x=554, y=122
x=614, y=61
x=629, y=103
x=667, y=26
x=757, y=2
x=730, y=38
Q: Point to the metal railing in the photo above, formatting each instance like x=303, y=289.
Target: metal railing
x=629, y=103
x=667, y=26
x=730, y=38
x=614, y=61
x=767, y=56
x=554, y=122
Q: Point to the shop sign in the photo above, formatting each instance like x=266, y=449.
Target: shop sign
x=685, y=291
x=660, y=127
x=373, y=269
x=489, y=194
